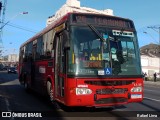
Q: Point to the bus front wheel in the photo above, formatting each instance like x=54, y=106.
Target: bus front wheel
x=50, y=91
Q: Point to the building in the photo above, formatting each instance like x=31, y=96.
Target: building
x=74, y=6
x=10, y=60
x=13, y=58
x=150, y=59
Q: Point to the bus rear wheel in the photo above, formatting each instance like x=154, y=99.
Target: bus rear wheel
x=26, y=86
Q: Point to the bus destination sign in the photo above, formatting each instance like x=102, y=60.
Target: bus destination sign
x=102, y=20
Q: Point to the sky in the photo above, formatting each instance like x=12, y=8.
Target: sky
x=144, y=13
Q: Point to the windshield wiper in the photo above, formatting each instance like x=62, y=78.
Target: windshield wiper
x=97, y=33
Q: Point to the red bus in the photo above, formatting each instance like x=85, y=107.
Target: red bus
x=84, y=59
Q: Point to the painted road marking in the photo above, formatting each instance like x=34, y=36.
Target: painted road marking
x=8, y=107
x=150, y=90
x=151, y=99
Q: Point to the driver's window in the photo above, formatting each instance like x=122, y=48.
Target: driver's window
x=124, y=49
x=128, y=50
x=131, y=52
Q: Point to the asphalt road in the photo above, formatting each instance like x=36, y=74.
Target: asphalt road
x=14, y=99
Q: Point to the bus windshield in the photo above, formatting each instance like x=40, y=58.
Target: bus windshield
x=103, y=51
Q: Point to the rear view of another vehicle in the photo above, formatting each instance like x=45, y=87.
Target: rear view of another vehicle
x=12, y=70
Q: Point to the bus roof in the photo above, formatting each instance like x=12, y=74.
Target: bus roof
x=48, y=28
x=61, y=20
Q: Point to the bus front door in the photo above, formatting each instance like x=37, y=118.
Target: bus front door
x=59, y=68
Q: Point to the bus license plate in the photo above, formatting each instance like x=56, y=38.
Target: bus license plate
x=134, y=96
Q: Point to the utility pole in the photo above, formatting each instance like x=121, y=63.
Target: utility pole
x=155, y=29
x=2, y=10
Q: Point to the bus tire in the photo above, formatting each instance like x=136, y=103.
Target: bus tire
x=26, y=85
x=50, y=91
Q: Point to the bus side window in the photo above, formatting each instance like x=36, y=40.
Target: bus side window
x=34, y=52
x=28, y=52
x=48, y=43
x=30, y=47
x=25, y=54
x=39, y=50
x=21, y=54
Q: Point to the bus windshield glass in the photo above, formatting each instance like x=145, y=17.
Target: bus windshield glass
x=103, y=51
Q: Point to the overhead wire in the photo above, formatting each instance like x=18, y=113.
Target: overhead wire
x=147, y=31
x=22, y=28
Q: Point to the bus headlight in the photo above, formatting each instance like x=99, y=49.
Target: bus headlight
x=136, y=89
x=83, y=91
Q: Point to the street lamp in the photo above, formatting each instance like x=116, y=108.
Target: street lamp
x=4, y=24
x=22, y=13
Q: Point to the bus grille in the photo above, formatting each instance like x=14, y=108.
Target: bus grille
x=111, y=91
x=111, y=100
x=111, y=82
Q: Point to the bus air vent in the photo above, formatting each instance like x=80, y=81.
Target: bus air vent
x=110, y=82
